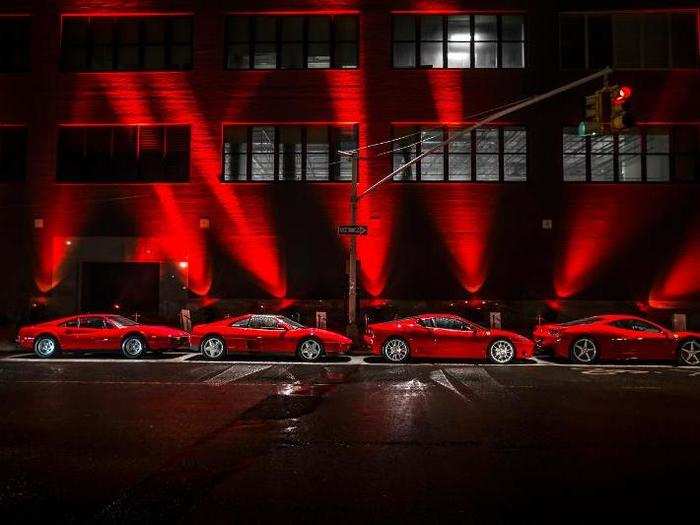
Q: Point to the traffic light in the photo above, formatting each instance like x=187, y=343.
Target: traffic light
x=621, y=117
x=592, y=121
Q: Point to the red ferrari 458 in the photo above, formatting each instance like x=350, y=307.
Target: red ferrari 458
x=444, y=335
x=266, y=334
x=99, y=332
x=617, y=337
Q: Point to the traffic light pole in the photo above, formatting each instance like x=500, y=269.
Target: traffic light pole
x=355, y=197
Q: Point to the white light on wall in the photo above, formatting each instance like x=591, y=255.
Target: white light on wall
x=204, y=223
x=183, y=265
x=38, y=223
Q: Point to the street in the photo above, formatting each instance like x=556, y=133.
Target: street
x=175, y=439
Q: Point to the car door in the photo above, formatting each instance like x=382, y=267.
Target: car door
x=68, y=334
x=92, y=334
x=264, y=334
x=236, y=335
x=454, y=337
x=620, y=338
x=651, y=342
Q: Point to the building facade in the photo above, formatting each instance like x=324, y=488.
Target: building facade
x=160, y=155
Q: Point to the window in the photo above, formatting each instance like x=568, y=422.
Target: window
x=450, y=323
x=92, y=322
x=123, y=153
x=628, y=40
x=126, y=44
x=291, y=42
x=264, y=322
x=485, y=154
x=288, y=153
x=241, y=323
x=13, y=153
x=636, y=325
x=640, y=155
x=14, y=44
x=72, y=323
x=459, y=41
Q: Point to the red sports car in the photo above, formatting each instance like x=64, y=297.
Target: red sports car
x=444, y=335
x=99, y=332
x=265, y=334
x=617, y=337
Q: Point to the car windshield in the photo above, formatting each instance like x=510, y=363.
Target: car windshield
x=585, y=320
x=291, y=323
x=121, y=321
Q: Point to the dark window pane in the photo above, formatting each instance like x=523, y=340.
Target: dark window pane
x=346, y=28
x=599, y=41
x=319, y=28
x=346, y=137
x=177, y=152
x=265, y=29
x=485, y=28
x=573, y=41
x=317, y=153
x=628, y=40
x=656, y=45
x=238, y=29
x=238, y=56
x=404, y=28
x=346, y=55
x=181, y=30
x=404, y=55
x=292, y=28
x=181, y=57
x=125, y=166
x=154, y=57
x=292, y=56
x=320, y=56
x=13, y=154
x=431, y=28
x=513, y=28
x=684, y=40
x=235, y=153
x=290, y=153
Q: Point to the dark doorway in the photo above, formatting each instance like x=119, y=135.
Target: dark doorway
x=132, y=286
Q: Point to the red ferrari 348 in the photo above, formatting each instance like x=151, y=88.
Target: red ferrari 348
x=617, y=337
x=444, y=336
x=265, y=334
x=99, y=332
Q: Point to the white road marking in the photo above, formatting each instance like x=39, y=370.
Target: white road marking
x=234, y=373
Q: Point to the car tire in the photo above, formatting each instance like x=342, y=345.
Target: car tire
x=310, y=350
x=213, y=348
x=584, y=351
x=396, y=350
x=689, y=353
x=501, y=352
x=134, y=347
x=46, y=347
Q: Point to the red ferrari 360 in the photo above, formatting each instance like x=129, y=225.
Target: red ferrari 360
x=99, y=332
x=617, y=337
x=444, y=335
x=264, y=334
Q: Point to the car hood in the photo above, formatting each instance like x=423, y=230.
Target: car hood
x=164, y=330
x=325, y=335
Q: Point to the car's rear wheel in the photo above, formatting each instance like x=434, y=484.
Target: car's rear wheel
x=501, y=352
x=310, y=350
x=46, y=347
x=396, y=350
x=689, y=353
x=213, y=347
x=584, y=351
x=134, y=347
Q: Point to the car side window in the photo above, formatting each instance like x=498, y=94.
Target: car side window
x=643, y=326
x=449, y=323
x=264, y=322
x=427, y=322
x=73, y=323
x=625, y=324
x=241, y=323
x=92, y=322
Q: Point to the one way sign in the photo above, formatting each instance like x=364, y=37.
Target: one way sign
x=352, y=229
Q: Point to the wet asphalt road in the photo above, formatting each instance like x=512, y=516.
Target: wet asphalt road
x=178, y=440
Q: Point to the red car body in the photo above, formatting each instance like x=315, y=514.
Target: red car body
x=429, y=341
x=617, y=337
x=244, y=334
x=84, y=332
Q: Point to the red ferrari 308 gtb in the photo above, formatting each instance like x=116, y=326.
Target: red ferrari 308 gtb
x=266, y=334
x=99, y=332
x=617, y=337
x=444, y=335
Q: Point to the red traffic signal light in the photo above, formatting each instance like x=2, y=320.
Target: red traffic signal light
x=622, y=95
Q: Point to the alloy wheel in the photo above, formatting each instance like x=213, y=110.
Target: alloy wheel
x=45, y=347
x=502, y=351
x=690, y=353
x=213, y=348
x=310, y=350
x=585, y=350
x=396, y=350
x=133, y=347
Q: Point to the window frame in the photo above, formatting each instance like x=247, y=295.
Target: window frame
x=138, y=153
x=644, y=132
x=417, y=16
x=472, y=153
x=334, y=140
x=169, y=42
x=640, y=13
x=279, y=43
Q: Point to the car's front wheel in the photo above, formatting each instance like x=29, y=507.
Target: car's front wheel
x=584, y=351
x=133, y=347
x=310, y=350
x=689, y=353
x=213, y=347
x=501, y=352
x=46, y=347
x=396, y=350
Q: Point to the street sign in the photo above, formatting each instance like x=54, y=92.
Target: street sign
x=352, y=229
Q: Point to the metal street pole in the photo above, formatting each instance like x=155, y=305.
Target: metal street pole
x=352, y=330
